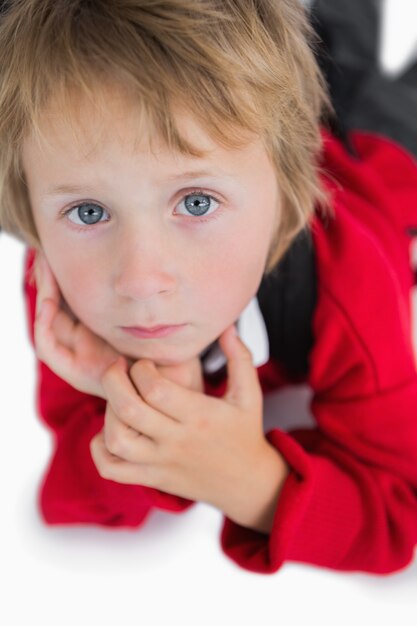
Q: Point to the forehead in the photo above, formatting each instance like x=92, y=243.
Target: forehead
x=84, y=127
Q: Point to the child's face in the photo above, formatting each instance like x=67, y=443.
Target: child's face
x=145, y=258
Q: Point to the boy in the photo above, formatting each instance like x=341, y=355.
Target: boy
x=131, y=98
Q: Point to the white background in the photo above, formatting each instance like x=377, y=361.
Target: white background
x=172, y=568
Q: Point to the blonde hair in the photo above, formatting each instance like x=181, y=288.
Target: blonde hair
x=241, y=67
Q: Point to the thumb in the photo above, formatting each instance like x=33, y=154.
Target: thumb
x=243, y=387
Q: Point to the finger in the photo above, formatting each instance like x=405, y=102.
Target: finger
x=49, y=293
x=65, y=327
x=48, y=348
x=125, y=442
x=46, y=284
x=188, y=374
x=54, y=329
x=54, y=344
x=112, y=467
x=130, y=407
x=166, y=396
x=51, y=284
x=243, y=386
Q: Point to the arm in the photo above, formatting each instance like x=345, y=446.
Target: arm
x=254, y=501
x=350, y=500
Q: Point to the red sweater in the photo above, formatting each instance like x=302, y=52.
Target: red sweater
x=350, y=500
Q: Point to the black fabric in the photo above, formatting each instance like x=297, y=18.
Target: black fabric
x=364, y=97
x=287, y=299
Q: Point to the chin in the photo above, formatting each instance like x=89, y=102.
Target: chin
x=160, y=357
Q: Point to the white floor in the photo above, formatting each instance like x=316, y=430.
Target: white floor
x=173, y=568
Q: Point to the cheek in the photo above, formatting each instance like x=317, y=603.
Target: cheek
x=80, y=287
x=227, y=282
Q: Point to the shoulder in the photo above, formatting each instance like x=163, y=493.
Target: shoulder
x=380, y=173
x=362, y=261
x=370, y=219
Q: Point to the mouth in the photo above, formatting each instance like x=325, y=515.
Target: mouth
x=153, y=332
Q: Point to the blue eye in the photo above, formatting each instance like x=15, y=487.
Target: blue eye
x=199, y=203
x=89, y=213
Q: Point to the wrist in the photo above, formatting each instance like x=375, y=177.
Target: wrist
x=262, y=491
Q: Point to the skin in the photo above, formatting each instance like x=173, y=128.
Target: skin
x=148, y=260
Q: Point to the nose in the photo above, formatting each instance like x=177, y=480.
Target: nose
x=145, y=268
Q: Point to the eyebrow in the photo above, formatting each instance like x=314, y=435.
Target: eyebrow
x=63, y=189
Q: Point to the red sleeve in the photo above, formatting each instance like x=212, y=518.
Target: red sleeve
x=72, y=491
x=350, y=500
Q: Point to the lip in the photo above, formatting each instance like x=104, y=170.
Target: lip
x=154, y=332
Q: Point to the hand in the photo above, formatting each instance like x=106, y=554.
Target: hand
x=63, y=343
x=75, y=353
x=182, y=441
x=188, y=374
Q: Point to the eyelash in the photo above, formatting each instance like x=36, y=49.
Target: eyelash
x=193, y=192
